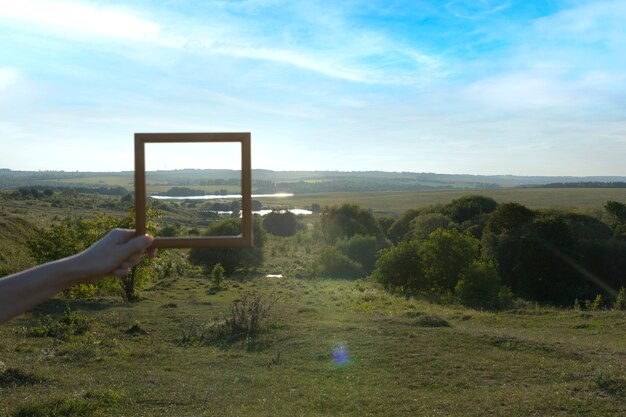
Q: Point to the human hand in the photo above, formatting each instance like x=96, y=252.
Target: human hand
x=114, y=254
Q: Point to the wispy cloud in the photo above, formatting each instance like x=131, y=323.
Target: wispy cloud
x=475, y=9
x=88, y=18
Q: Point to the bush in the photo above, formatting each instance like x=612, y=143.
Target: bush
x=446, y=255
x=479, y=286
x=348, y=220
x=280, y=224
x=363, y=250
x=332, y=263
x=72, y=323
x=469, y=206
x=401, y=267
x=249, y=317
x=231, y=258
x=398, y=230
x=620, y=300
x=424, y=224
x=217, y=274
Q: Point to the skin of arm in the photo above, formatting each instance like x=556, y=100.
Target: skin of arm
x=114, y=254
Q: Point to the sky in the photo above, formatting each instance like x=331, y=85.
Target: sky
x=462, y=86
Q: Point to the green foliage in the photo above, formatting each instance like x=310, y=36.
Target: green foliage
x=595, y=304
x=469, y=206
x=231, y=258
x=425, y=223
x=72, y=323
x=446, y=255
x=334, y=264
x=346, y=221
x=217, y=275
x=620, y=300
x=249, y=316
x=72, y=235
x=507, y=217
x=401, y=227
x=401, y=267
x=385, y=222
x=280, y=224
x=617, y=211
x=362, y=249
x=479, y=286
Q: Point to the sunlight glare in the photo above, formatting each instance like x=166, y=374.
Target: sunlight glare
x=83, y=17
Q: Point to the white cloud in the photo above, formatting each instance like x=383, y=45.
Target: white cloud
x=83, y=17
x=8, y=77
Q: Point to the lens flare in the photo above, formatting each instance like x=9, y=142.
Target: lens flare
x=341, y=354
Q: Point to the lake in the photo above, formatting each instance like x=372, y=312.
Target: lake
x=297, y=212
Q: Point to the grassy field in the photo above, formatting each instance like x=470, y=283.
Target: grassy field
x=396, y=202
x=330, y=348
x=393, y=357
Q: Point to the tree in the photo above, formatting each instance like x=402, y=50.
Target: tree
x=362, y=249
x=385, y=222
x=332, y=263
x=469, y=206
x=479, y=286
x=231, y=258
x=617, y=213
x=280, y=224
x=446, y=255
x=75, y=234
x=401, y=267
x=400, y=228
x=424, y=224
x=348, y=220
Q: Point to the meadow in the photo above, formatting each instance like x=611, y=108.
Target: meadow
x=327, y=348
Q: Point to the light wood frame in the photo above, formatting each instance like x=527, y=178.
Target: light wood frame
x=244, y=240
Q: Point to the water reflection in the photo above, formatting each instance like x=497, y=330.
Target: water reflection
x=218, y=196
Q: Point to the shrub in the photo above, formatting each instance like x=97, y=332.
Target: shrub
x=217, y=274
x=620, y=300
x=469, y=206
x=398, y=230
x=401, y=267
x=363, y=250
x=479, y=286
x=424, y=224
x=72, y=323
x=346, y=221
x=334, y=264
x=446, y=255
x=249, y=317
x=280, y=224
x=231, y=258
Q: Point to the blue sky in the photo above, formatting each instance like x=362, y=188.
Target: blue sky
x=480, y=87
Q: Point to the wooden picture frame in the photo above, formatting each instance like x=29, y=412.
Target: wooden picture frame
x=244, y=240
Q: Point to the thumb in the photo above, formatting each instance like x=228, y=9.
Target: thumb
x=138, y=243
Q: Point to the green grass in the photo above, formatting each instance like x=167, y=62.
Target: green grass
x=407, y=357
x=396, y=202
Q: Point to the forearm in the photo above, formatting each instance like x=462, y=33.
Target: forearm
x=22, y=291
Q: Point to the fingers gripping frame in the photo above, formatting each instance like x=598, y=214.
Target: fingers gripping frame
x=241, y=241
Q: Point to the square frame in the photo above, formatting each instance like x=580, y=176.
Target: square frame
x=244, y=240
